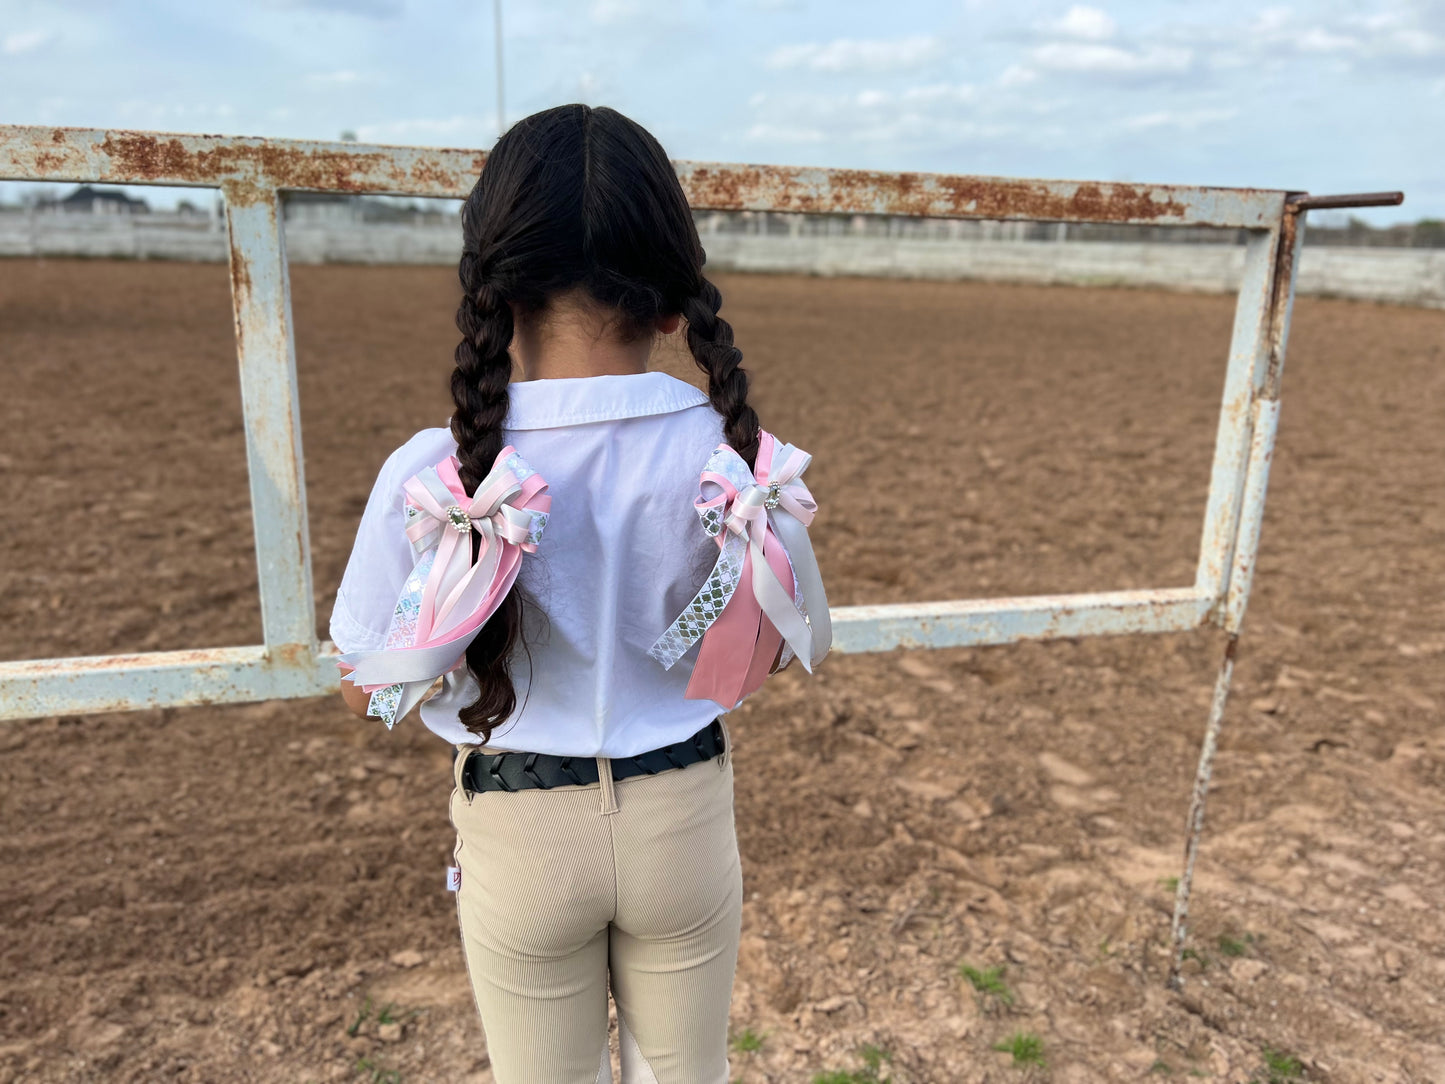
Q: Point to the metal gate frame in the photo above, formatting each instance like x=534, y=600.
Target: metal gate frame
x=253, y=172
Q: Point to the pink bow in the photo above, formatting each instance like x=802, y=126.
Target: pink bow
x=509, y=510
x=765, y=587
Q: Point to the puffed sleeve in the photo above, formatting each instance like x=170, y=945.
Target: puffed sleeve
x=381, y=559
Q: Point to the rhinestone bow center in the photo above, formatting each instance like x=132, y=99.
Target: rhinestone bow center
x=774, y=497
x=458, y=518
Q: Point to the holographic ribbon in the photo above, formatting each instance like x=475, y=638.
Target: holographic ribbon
x=447, y=597
x=760, y=524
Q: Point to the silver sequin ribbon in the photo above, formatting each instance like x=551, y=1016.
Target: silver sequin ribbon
x=717, y=591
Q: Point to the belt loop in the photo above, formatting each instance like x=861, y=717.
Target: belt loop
x=604, y=777
x=464, y=749
x=727, y=743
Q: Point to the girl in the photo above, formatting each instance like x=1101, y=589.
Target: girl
x=544, y=545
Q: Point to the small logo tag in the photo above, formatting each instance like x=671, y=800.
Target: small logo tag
x=454, y=878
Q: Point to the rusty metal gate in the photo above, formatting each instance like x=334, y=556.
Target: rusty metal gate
x=252, y=173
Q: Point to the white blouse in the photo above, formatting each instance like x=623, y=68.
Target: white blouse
x=623, y=552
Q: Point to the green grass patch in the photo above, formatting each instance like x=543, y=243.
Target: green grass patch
x=748, y=1041
x=1234, y=946
x=377, y=1074
x=1198, y=957
x=1026, y=1048
x=1281, y=1068
x=360, y=1018
x=873, y=1057
x=987, y=983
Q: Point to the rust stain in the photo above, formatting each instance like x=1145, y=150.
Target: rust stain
x=1280, y=290
x=429, y=174
x=49, y=161
x=785, y=189
x=148, y=156
x=249, y=168
x=240, y=268
x=240, y=277
x=290, y=656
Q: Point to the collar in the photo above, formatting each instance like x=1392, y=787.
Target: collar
x=571, y=400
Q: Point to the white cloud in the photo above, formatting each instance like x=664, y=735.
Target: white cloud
x=891, y=122
x=607, y=12
x=774, y=133
x=1319, y=40
x=334, y=79
x=464, y=131
x=931, y=95
x=867, y=55
x=1094, y=59
x=1081, y=21
x=1187, y=120
x=1400, y=34
x=1017, y=75
x=1270, y=20
x=25, y=41
x=940, y=92
x=374, y=9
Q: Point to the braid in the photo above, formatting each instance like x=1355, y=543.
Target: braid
x=479, y=390
x=483, y=372
x=710, y=338
x=573, y=199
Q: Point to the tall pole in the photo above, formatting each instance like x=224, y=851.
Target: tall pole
x=501, y=101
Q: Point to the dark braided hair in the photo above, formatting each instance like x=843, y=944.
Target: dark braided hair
x=574, y=197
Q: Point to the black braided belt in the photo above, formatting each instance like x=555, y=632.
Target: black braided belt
x=520, y=771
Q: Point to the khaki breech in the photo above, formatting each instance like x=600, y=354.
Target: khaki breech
x=637, y=881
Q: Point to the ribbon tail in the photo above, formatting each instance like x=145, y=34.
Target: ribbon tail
x=769, y=638
x=395, y=701
x=469, y=592
x=794, y=536
x=725, y=656
x=777, y=603
x=392, y=666
x=711, y=599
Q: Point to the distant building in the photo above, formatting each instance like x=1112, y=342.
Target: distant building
x=340, y=207
x=322, y=207
x=102, y=201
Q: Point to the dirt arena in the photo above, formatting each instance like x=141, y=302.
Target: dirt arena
x=256, y=893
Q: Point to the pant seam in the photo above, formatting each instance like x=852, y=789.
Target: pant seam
x=461, y=927
x=612, y=846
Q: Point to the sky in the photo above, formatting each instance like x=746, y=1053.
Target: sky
x=1326, y=97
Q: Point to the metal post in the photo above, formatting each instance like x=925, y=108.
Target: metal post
x=261, y=296
x=1264, y=421
x=501, y=83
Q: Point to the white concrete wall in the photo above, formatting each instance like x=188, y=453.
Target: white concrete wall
x=1411, y=276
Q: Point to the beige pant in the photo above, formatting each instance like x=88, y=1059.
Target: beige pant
x=635, y=880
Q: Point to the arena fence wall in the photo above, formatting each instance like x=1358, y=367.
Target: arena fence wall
x=1411, y=276
x=252, y=173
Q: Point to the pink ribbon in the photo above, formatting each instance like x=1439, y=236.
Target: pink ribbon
x=509, y=510
x=738, y=647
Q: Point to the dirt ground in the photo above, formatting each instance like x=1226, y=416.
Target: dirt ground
x=238, y=893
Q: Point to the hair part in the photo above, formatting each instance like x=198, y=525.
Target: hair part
x=573, y=197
